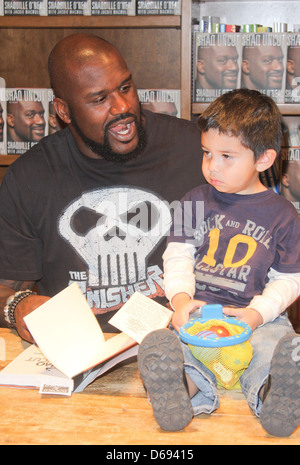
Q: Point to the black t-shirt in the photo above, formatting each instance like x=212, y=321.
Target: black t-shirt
x=65, y=217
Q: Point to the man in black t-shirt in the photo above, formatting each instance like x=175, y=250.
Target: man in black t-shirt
x=93, y=203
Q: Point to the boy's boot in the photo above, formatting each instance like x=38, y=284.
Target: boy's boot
x=161, y=364
x=280, y=414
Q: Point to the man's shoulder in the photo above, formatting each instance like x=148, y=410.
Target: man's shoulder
x=43, y=161
x=50, y=147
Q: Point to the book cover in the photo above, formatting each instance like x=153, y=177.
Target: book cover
x=3, y=148
x=165, y=101
x=264, y=64
x=159, y=7
x=54, y=122
x=31, y=369
x=102, y=7
x=292, y=87
x=69, y=7
x=290, y=161
x=26, y=119
x=25, y=8
x=216, y=65
x=77, y=343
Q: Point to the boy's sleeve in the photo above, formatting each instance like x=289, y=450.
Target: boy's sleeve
x=287, y=238
x=280, y=292
x=179, y=261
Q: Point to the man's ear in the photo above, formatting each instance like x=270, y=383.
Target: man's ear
x=285, y=180
x=290, y=66
x=246, y=66
x=266, y=160
x=10, y=120
x=201, y=66
x=62, y=109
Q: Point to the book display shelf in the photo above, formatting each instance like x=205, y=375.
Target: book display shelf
x=247, y=18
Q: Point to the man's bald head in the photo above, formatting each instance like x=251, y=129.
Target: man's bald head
x=95, y=96
x=72, y=54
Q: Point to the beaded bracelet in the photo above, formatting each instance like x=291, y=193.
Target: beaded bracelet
x=11, y=303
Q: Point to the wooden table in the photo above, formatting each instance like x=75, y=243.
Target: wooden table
x=114, y=411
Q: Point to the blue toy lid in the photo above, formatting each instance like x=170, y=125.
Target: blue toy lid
x=215, y=312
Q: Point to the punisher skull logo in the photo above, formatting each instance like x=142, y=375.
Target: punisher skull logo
x=114, y=230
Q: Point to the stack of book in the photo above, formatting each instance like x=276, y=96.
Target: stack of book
x=89, y=7
x=268, y=62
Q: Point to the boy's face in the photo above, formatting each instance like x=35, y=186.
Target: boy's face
x=229, y=166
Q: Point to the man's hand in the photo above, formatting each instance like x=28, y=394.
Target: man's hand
x=26, y=306
x=247, y=315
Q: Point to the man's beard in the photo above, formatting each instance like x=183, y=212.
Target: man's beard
x=104, y=150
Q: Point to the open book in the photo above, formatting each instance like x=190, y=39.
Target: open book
x=68, y=335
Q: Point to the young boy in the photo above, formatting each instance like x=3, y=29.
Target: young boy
x=242, y=252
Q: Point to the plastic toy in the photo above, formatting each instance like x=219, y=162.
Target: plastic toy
x=221, y=343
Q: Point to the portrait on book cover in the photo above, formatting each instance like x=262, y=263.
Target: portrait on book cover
x=292, y=88
x=290, y=161
x=263, y=64
x=216, y=65
x=26, y=118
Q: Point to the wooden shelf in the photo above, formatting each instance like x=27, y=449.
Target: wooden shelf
x=285, y=109
x=39, y=22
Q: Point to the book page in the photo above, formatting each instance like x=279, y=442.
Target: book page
x=141, y=315
x=89, y=376
x=67, y=332
x=69, y=335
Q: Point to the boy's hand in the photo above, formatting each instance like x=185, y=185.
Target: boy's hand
x=184, y=306
x=247, y=315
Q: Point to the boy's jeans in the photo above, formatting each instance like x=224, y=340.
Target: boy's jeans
x=264, y=340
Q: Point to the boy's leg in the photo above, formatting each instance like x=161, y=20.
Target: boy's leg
x=160, y=362
x=266, y=353
x=280, y=414
x=172, y=377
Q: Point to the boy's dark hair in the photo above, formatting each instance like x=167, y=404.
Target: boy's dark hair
x=249, y=115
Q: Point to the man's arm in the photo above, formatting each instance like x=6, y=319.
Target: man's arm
x=26, y=306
